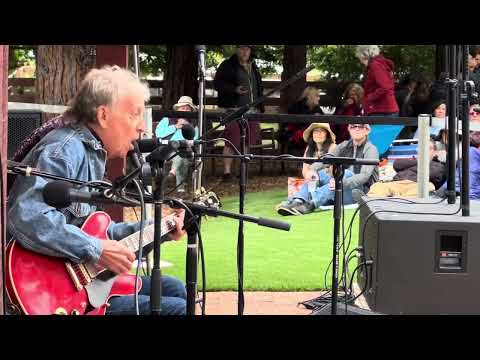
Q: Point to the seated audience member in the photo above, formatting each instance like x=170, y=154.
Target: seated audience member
x=292, y=133
x=171, y=129
x=357, y=178
x=474, y=114
x=320, y=141
x=351, y=106
x=405, y=181
x=439, y=111
x=474, y=153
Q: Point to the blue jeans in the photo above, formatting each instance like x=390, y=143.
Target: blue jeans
x=180, y=166
x=322, y=195
x=173, y=300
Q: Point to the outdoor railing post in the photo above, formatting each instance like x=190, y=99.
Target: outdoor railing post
x=423, y=160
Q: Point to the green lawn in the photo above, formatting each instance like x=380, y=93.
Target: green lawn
x=274, y=259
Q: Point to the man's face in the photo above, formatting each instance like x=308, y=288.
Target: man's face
x=358, y=132
x=472, y=62
x=244, y=53
x=474, y=115
x=184, y=108
x=477, y=59
x=123, y=123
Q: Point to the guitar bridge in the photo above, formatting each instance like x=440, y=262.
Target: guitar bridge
x=78, y=274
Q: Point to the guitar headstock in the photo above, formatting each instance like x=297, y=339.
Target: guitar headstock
x=205, y=198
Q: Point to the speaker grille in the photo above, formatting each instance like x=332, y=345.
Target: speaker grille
x=21, y=123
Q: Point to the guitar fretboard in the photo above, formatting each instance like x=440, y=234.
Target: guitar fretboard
x=132, y=241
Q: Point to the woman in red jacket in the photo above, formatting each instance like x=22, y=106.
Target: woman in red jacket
x=379, y=94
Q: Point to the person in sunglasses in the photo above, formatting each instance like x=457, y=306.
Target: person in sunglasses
x=356, y=181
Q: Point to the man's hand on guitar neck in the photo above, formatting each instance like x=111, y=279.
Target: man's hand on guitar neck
x=116, y=257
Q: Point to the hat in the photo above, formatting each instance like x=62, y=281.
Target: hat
x=250, y=46
x=185, y=100
x=308, y=131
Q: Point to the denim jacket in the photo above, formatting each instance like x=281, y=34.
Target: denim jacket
x=71, y=152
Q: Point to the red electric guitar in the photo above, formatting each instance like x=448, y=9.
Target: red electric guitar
x=42, y=285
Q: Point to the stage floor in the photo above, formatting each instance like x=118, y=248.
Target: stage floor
x=265, y=303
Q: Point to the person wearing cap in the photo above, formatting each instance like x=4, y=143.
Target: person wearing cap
x=171, y=129
x=320, y=140
x=238, y=82
x=356, y=181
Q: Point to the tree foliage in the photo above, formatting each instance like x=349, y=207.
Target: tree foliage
x=331, y=61
x=20, y=55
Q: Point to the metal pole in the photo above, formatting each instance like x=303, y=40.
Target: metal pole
x=465, y=198
x=135, y=60
x=452, y=117
x=423, y=160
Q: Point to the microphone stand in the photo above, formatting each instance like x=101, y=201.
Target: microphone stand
x=465, y=96
x=191, y=263
x=157, y=159
x=452, y=117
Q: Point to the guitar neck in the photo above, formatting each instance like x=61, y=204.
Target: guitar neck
x=132, y=241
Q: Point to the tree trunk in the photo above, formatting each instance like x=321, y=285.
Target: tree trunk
x=60, y=69
x=294, y=60
x=180, y=75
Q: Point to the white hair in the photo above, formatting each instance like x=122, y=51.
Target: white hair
x=367, y=51
x=103, y=87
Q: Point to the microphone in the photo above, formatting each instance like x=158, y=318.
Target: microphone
x=188, y=132
x=61, y=194
x=201, y=50
x=149, y=145
x=134, y=157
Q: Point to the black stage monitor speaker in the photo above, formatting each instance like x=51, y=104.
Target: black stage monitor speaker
x=21, y=123
x=421, y=264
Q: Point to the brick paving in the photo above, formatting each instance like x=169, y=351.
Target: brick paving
x=258, y=303
x=265, y=303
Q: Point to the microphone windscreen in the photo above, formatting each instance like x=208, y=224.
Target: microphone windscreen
x=200, y=48
x=188, y=132
x=57, y=194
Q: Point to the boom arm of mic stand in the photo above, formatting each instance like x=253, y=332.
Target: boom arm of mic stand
x=25, y=170
x=330, y=160
x=275, y=224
